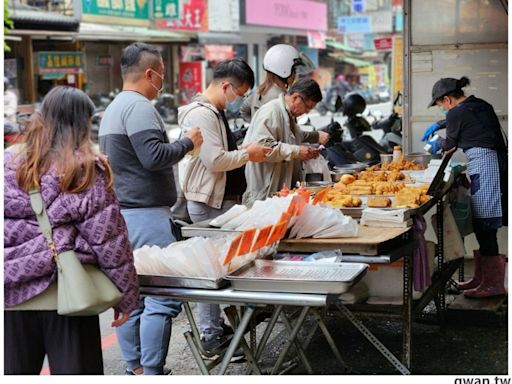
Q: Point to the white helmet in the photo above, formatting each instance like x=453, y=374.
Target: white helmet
x=281, y=59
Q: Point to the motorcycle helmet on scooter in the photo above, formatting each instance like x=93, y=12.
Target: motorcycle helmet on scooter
x=283, y=59
x=353, y=104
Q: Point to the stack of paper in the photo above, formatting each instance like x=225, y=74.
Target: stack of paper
x=390, y=218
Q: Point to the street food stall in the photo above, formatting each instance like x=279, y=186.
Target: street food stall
x=264, y=282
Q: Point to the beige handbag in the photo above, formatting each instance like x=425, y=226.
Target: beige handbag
x=82, y=289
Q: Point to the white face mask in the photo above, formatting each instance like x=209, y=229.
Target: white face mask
x=161, y=78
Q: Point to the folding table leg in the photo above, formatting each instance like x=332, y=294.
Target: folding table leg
x=329, y=338
x=195, y=352
x=238, y=339
x=373, y=340
x=292, y=339
x=266, y=334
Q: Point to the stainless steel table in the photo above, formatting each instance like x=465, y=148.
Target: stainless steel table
x=308, y=304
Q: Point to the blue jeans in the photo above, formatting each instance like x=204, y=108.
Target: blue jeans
x=209, y=314
x=144, y=338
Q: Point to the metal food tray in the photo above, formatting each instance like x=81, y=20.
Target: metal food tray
x=297, y=276
x=181, y=282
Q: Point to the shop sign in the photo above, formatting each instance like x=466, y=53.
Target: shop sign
x=214, y=52
x=53, y=76
x=355, y=24
x=191, y=53
x=383, y=43
x=191, y=79
x=382, y=22
x=62, y=62
x=399, y=21
x=104, y=60
x=223, y=15
x=299, y=14
x=193, y=17
x=316, y=40
x=166, y=9
x=358, y=6
x=363, y=42
x=131, y=12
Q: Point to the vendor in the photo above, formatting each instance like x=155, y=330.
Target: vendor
x=274, y=125
x=472, y=125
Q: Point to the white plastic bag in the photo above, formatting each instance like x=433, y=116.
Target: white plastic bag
x=318, y=165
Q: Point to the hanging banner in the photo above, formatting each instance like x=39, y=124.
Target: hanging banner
x=194, y=17
x=123, y=12
x=397, y=80
x=355, y=24
x=191, y=80
x=316, y=40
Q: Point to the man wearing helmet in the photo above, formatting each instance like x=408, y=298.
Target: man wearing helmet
x=274, y=125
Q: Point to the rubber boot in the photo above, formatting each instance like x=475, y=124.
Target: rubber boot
x=493, y=278
x=477, y=276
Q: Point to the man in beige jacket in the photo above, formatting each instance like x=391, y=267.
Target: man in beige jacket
x=213, y=180
x=274, y=125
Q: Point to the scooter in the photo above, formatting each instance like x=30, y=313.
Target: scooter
x=391, y=126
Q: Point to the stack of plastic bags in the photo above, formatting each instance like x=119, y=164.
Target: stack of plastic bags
x=323, y=222
x=210, y=258
x=387, y=218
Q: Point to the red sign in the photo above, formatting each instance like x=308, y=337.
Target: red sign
x=397, y=2
x=213, y=52
x=383, y=43
x=194, y=17
x=190, y=80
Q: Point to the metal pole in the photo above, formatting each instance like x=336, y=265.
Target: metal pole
x=406, y=127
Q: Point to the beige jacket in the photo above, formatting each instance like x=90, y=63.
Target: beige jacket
x=273, y=125
x=203, y=177
x=254, y=101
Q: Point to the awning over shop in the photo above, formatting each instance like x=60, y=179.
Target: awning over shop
x=34, y=19
x=351, y=60
x=337, y=45
x=103, y=32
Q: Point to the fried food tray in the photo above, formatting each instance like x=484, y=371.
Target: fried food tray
x=297, y=276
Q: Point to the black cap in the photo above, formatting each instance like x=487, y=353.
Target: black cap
x=442, y=88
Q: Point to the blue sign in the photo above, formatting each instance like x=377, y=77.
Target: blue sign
x=358, y=6
x=355, y=24
x=399, y=21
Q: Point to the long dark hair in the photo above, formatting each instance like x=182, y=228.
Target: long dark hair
x=59, y=135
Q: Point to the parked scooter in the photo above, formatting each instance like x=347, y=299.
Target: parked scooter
x=391, y=126
x=165, y=104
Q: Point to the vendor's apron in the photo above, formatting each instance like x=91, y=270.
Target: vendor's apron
x=484, y=173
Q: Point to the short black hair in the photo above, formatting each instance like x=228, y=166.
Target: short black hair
x=138, y=56
x=236, y=69
x=308, y=88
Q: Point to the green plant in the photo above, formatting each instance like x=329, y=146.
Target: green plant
x=8, y=24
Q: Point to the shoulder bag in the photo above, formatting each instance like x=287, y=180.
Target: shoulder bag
x=82, y=289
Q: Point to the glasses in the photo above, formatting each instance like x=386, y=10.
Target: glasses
x=308, y=108
x=235, y=90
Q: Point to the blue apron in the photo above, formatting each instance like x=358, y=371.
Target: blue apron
x=484, y=173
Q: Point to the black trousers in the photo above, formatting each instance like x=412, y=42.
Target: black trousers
x=73, y=344
x=486, y=231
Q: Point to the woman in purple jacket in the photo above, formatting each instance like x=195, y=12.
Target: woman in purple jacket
x=76, y=184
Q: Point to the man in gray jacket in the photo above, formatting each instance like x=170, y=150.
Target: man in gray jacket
x=274, y=124
x=133, y=136
x=213, y=179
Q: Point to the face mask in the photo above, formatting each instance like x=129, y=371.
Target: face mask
x=153, y=85
x=234, y=106
x=443, y=111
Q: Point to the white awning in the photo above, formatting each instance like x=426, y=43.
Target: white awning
x=103, y=32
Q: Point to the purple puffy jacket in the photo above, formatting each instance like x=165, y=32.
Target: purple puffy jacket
x=88, y=222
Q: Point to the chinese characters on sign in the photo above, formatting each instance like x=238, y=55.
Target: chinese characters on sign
x=214, y=52
x=355, y=24
x=166, y=9
x=191, y=80
x=132, y=11
x=62, y=62
x=383, y=43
